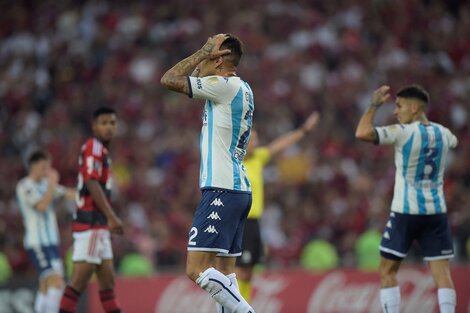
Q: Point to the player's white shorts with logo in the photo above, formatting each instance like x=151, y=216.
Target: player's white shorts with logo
x=92, y=246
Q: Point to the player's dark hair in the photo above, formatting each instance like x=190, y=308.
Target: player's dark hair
x=414, y=92
x=103, y=110
x=236, y=48
x=37, y=156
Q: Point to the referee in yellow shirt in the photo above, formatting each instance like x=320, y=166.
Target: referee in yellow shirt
x=255, y=161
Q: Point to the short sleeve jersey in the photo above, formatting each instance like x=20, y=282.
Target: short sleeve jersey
x=226, y=126
x=40, y=227
x=94, y=164
x=420, y=158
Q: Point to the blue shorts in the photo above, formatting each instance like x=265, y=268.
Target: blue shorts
x=219, y=222
x=432, y=232
x=46, y=260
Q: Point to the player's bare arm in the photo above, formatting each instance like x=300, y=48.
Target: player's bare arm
x=52, y=181
x=176, y=78
x=115, y=224
x=286, y=140
x=365, y=129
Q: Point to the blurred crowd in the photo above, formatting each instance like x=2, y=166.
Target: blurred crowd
x=59, y=60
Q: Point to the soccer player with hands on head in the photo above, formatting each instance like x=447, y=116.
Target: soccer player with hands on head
x=418, y=208
x=216, y=233
x=35, y=194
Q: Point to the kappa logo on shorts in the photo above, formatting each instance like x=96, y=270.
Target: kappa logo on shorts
x=217, y=202
x=386, y=235
x=214, y=216
x=211, y=229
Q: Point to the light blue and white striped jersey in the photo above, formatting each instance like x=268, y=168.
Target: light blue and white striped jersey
x=226, y=127
x=420, y=158
x=40, y=227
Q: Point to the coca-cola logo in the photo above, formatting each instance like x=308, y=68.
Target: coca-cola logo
x=336, y=294
x=183, y=296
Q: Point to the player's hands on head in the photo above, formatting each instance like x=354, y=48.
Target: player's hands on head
x=52, y=177
x=312, y=121
x=212, y=46
x=115, y=225
x=380, y=96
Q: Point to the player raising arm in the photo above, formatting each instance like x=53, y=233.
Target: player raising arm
x=95, y=218
x=418, y=208
x=255, y=161
x=35, y=194
x=217, y=229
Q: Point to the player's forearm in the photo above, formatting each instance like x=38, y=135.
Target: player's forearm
x=175, y=78
x=283, y=142
x=98, y=196
x=44, y=203
x=365, y=128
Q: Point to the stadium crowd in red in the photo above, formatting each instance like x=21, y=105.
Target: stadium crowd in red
x=60, y=60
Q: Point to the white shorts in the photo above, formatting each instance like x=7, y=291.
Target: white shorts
x=92, y=246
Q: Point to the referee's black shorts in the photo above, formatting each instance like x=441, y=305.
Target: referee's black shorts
x=252, y=247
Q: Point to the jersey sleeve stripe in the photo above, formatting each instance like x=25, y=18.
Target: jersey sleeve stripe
x=210, y=130
x=237, y=113
x=420, y=169
x=406, y=159
x=190, y=88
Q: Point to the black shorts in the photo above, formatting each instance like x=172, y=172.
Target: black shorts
x=432, y=232
x=252, y=246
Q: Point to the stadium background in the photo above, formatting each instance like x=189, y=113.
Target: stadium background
x=61, y=59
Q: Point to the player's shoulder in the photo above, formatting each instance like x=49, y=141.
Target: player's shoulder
x=93, y=146
x=25, y=184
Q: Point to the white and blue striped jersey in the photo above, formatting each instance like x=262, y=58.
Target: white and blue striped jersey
x=226, y=127
x=420, y=158
x=40, y=227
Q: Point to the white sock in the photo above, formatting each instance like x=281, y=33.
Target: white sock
x=53, y=299
x=447, y=300
x=390, y=299
x=40, y=303
x=233, y=280
x=223, y=291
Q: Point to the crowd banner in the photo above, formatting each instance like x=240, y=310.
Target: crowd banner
x=287, y=291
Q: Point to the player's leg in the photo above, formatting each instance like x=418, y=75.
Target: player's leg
x=105, y=275
x=81, y=275
x=48, y=265
x=40, y=301
x=212, y=232
x=396, y=241
x=55, y=285
x=437, y=246
x=54, y=281
x=446, y=292
x=226, y=266
x=252, y=251
x=84, y=263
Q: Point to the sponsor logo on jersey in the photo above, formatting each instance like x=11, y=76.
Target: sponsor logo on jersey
x=199, y=83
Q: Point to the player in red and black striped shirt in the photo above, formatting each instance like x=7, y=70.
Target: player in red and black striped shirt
x=95, y=219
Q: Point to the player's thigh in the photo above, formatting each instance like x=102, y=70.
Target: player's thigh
x=252, y=246
x=105, y=274
x=440, y=271
x=81, y=275
x=435, y=238
x=199, y=261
